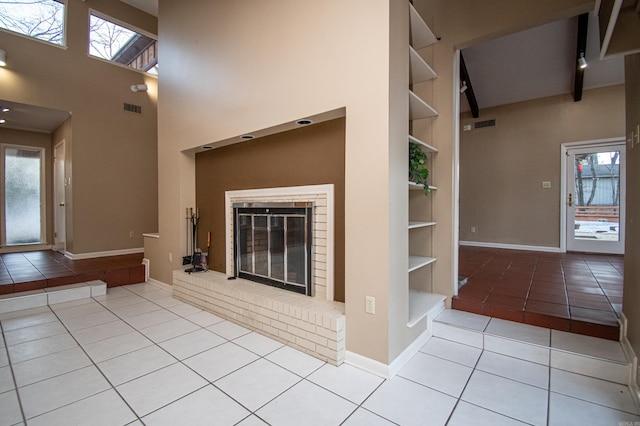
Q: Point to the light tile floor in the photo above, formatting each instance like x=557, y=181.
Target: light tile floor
x=138, y=356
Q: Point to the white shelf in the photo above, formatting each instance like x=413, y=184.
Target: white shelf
x=419, y=108
x=415, y=187
x=422, y=304
x=417, y=262
x=419, y=71
x=421, y=34
x=425, y=146
x=416, y=225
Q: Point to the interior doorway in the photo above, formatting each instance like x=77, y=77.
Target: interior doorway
x=59, y=206
x=594, y=196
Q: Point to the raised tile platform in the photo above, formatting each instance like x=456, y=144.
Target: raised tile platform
x=312, y=325
x=590, y=356
x=50, y=296
x=36, y=270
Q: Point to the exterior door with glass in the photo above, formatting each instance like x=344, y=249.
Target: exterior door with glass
x=595, y=198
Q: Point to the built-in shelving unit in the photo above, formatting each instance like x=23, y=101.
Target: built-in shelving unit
x=421, y=223
x=419, y=109
x=425, y=146
x=416, y=225
x=417, y=187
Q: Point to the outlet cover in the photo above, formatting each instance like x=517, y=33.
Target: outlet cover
x=370, y=305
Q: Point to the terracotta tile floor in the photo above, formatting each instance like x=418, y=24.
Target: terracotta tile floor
x=576, y=292
x=47, y=268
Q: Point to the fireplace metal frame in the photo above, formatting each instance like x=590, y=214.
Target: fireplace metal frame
x=280, y=209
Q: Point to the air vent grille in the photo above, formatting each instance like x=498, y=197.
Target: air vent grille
x=136, y=109
x=486, y=123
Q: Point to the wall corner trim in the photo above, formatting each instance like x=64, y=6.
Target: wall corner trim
x=383, y=370
x=108, y=253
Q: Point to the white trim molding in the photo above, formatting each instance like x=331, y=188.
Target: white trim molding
x=103, y=253
x=511, y=246
x=388, y=371
x=632, y=358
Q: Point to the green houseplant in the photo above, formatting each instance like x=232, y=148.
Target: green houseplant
x=418, y=172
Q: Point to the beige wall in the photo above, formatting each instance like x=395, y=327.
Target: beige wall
x=114, y=153
x=40, y=140
x=240, y=67
x=310, y=155
x=631, y=298
x=502, y=167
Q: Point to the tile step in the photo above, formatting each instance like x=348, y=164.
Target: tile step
x=590, y=356
x=50, y=296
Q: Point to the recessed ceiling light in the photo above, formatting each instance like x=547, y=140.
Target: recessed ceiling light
x=2, y=121
x=5, y=109
x=207, y=147
x=247, y=137
x=304, y=122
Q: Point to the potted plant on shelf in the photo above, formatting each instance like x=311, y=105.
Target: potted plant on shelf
x=418, y=172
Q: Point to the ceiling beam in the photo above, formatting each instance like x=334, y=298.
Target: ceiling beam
x=471, y=96
x=578, y=80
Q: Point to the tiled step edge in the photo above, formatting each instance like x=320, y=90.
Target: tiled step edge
x=51, y=296
x=587, y=365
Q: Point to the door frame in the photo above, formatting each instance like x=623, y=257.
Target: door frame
x=56, y=201
x=565, y=147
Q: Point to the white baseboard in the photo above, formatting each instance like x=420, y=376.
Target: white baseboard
x=510, y=246
x=25, y=248
x=383, y=370
x=632, y=358
x=147, y=267
x=103, y=253
x=160, y=284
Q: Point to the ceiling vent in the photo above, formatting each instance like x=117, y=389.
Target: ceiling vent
x=136, y=109
x=485, y=123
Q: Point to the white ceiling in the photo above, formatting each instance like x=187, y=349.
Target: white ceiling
x=149, y=6
x=537, y=63
x=531, y=64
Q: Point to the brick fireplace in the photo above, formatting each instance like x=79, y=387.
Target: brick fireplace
x=314, y=324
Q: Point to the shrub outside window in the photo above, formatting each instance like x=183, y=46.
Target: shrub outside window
x=116, y=43
x=40, y=19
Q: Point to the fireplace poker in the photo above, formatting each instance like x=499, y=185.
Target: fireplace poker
x=196, y=256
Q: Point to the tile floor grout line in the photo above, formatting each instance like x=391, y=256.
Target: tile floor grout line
x=95, y=365
x=357, y=405
x=13, y=375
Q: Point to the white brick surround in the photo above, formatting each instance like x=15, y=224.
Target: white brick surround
x=322, y=249
x=310, y=324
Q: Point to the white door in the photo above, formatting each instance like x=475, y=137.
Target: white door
x=595, y=198
x=59, y=197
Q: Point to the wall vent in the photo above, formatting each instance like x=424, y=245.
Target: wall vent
x=485, y=123
x=137, y=109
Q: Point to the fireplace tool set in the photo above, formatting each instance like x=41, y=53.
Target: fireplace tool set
x=195, y=257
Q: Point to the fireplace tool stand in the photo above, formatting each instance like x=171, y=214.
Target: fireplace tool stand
x=196, y=258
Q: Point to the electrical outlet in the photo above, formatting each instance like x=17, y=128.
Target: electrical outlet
x=131, y=234
x=170, y=257
x=473, y=229
x=370, y=305
x=546, y=184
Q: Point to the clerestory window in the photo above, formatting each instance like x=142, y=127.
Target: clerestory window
x=41, y=19
x=117, y=43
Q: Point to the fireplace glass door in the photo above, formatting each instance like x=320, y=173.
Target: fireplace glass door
x=273, y=246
